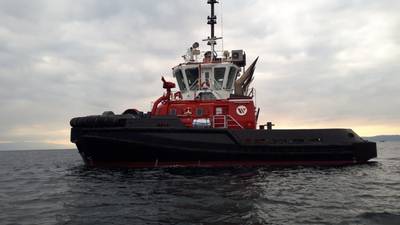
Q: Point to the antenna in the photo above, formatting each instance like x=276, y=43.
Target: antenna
x=212, y=20
x=222, y=27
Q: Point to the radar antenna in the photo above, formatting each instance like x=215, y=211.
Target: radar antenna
x=212, y=20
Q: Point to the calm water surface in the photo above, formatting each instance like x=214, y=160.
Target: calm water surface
x=53, y=187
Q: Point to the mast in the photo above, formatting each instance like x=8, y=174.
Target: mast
x=212, y=20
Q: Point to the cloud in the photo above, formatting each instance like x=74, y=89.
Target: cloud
x=325, y=62
x=321, y=62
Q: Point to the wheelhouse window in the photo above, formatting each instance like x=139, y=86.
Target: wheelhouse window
x=192, y=76
x=231, y=77
x=179, y=79
x=219, y=74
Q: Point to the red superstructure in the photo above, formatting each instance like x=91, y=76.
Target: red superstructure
x=232, y=113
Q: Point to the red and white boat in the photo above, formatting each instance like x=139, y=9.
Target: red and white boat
x=211, y=121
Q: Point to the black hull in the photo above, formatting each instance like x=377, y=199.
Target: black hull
x=171, y=147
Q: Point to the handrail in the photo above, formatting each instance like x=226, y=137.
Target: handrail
x=219, y=117
x=236, y=122
x=225, y=122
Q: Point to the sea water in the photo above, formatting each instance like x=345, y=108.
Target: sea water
x=54, y=187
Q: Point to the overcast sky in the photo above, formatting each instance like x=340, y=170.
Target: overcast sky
x=323, y=63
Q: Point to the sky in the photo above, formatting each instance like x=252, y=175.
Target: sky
x=323, y=63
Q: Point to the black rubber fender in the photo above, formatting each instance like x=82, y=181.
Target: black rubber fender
x=98, y=121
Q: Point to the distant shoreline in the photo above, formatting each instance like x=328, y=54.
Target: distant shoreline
x=383, y=138
x=54, y=149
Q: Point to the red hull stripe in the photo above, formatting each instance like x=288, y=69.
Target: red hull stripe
x=215, y=164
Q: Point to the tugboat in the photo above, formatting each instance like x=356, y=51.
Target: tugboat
x=211, y=121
